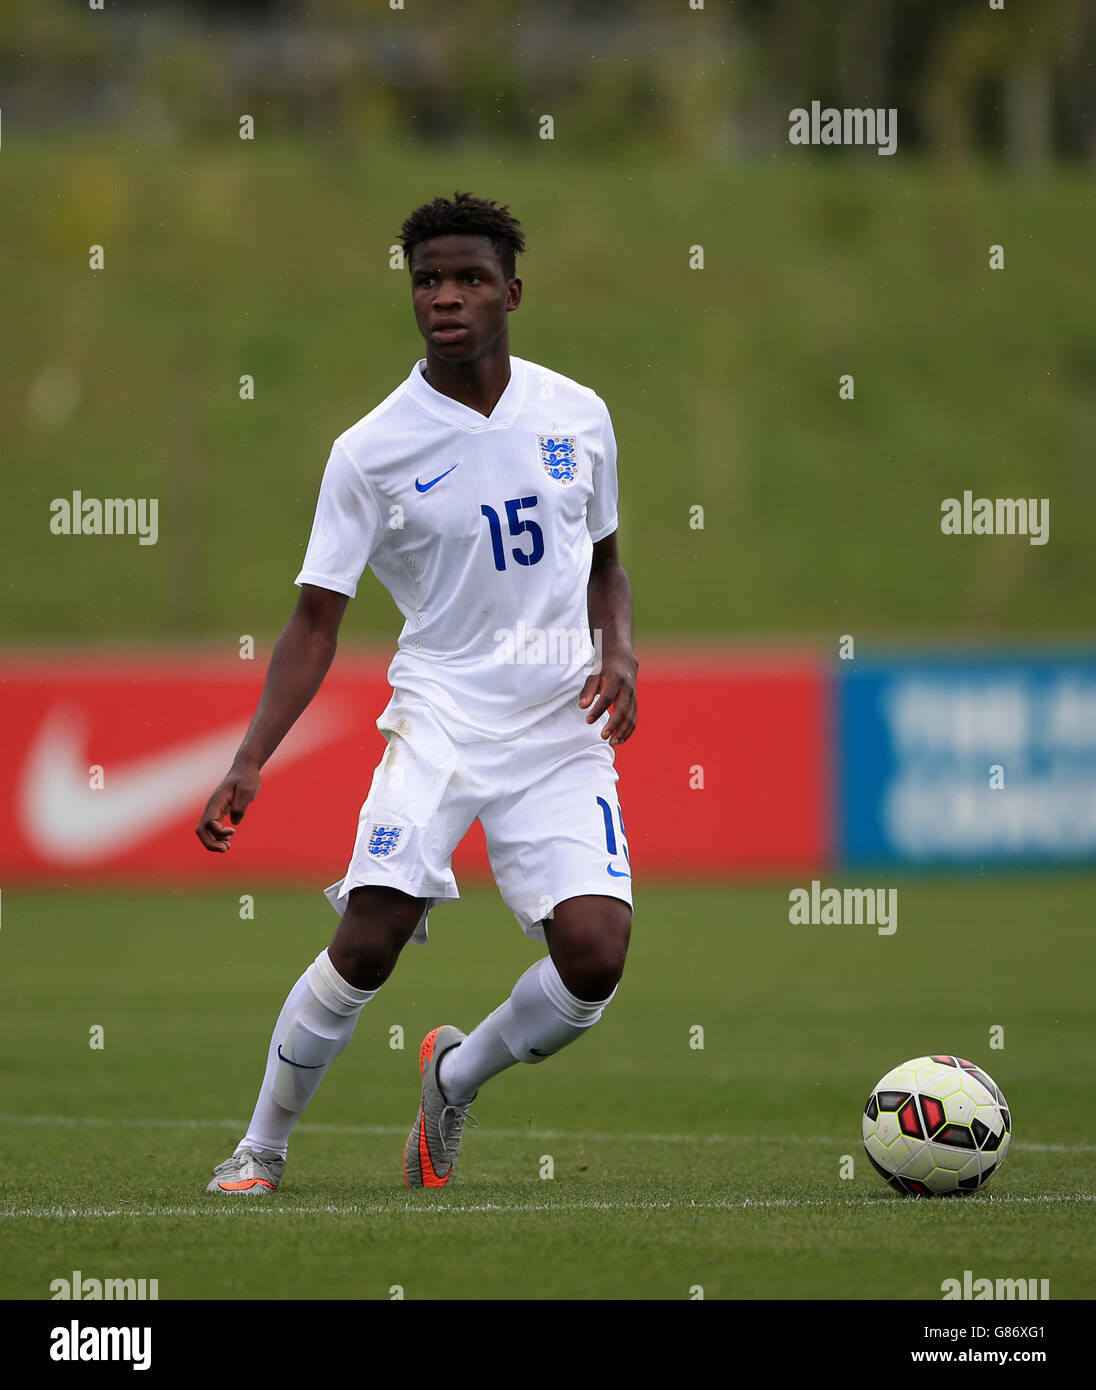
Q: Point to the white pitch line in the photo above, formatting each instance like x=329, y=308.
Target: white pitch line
x=620, y=1136
x=245, y=1210
x=575, y=1136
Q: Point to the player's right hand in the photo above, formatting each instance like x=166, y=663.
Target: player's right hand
x=232, y=798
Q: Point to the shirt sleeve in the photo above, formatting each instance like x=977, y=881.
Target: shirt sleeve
x=601, y=510
x=346, y=528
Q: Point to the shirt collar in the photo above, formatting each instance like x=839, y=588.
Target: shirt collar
x=446, y=408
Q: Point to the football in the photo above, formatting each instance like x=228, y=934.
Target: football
x=937, y=1126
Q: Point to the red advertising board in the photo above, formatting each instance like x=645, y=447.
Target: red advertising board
x=727, y=773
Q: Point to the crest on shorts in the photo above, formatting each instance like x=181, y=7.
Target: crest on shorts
x=383, y=839
x=559, y=455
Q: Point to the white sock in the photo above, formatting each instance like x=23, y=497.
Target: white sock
x=540, y=1017
x=315, y=1024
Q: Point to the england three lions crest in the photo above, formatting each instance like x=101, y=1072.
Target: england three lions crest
x=383, y=839
x=559, y=455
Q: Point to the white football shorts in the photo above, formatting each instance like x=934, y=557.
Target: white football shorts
x=546, y=799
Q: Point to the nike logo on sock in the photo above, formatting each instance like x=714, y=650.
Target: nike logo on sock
x=303, y=1065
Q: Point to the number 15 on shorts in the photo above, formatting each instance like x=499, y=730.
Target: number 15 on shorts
x=611, y=843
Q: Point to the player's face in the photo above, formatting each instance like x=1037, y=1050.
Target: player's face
x=461, y=295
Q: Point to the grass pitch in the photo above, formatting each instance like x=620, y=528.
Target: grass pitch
x=674, y=1166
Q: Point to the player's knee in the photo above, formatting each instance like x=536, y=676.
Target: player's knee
x=591, y=979
x=376, y=926
x=591, y=967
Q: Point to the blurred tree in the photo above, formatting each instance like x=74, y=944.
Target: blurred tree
x=1016, y=82
x=1012, y=62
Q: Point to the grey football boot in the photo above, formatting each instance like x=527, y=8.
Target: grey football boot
x=249, y=1173
x=430, y=1154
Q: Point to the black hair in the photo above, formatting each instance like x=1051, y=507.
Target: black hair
x=466, y=216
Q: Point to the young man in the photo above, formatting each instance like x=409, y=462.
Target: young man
x=482, y=494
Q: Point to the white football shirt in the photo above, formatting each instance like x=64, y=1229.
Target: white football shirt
x=481, y=528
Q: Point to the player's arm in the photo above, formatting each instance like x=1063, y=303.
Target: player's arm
x=609, y=605
x=299, y=662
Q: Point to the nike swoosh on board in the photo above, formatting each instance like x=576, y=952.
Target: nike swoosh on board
x=425, y=487
x=69, y=823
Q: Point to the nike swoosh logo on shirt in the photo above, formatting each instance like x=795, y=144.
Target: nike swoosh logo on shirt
x=425, y=487
x=616, y=873
x=69, y=823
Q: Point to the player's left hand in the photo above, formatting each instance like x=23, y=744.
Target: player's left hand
x=615, y=685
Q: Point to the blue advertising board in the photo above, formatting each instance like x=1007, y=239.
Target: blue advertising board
x=967, y=760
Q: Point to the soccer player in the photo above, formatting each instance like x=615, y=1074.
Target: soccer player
x=482, y=493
